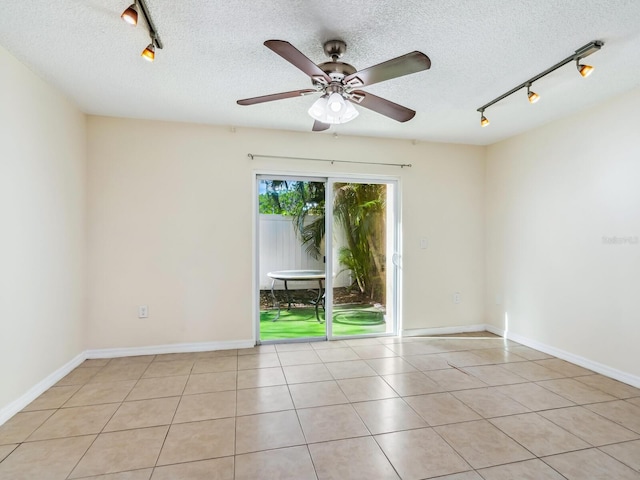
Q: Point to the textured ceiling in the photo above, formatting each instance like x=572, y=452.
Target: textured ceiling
x=213, y=55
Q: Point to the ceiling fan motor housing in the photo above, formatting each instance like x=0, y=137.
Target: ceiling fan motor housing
x=335, y=69
x=334, y=49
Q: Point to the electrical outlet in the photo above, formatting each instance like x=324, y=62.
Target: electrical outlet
x=457, y=298
x=423, y=243
x=143, y=311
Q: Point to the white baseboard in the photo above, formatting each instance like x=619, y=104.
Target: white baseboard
x=172, y=348
x=495, y=330
x=597, y=367
x=418, y=332
x=39, y=388
x=34, y=392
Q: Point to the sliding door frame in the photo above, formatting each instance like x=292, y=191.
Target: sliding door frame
x=258, y=177
x=395, y=261
x=329, y=178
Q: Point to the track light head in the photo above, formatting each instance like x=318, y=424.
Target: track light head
x=585, y=70
x=484, y=121
x=130, y=15
x=532, y=96
x=149, y=53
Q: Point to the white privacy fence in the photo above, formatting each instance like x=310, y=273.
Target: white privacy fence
x=280, y=249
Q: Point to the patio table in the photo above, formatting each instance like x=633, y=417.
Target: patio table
x=287, y=276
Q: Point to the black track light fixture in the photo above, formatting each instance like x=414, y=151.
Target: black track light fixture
x=130, y=15
x=584, y=70
x=533, y=97
x=484, y=121
x=149, y=53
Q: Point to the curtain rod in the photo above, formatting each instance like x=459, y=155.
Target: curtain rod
x=256, y=155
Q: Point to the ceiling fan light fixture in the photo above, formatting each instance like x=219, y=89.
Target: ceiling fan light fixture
x=336, y=103
x=322, y=112
x=350, y=112
x=149, y=53
x=318, y=110
x=585, y=70
x=130, y=15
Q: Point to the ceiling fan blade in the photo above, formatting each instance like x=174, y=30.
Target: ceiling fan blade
x=294, y=56
x=275, y=96
x=319, y=126
x=382, y=106
x=397, y=67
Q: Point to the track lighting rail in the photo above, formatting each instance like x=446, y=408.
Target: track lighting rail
x=580, y=53
x=153, y=33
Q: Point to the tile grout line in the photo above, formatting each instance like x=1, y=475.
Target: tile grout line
x=106, y=423
x=304, y=435
x=96, y=437
x=166, y=435
x=616, y=459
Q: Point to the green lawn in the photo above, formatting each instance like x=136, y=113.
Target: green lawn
x=302, y=323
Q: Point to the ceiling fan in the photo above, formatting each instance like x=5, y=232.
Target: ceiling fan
x=338, y=82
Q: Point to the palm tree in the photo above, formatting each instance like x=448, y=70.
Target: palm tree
x=359, y=209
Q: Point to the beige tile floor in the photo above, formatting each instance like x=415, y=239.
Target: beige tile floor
x=455, y=408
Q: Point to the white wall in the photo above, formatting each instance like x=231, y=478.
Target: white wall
x=42, y=239
x=552, y=195
x=171, y=225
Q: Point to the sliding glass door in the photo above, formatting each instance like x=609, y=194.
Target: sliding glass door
x=363, y=251
x=326, y=251
x=291, y=224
